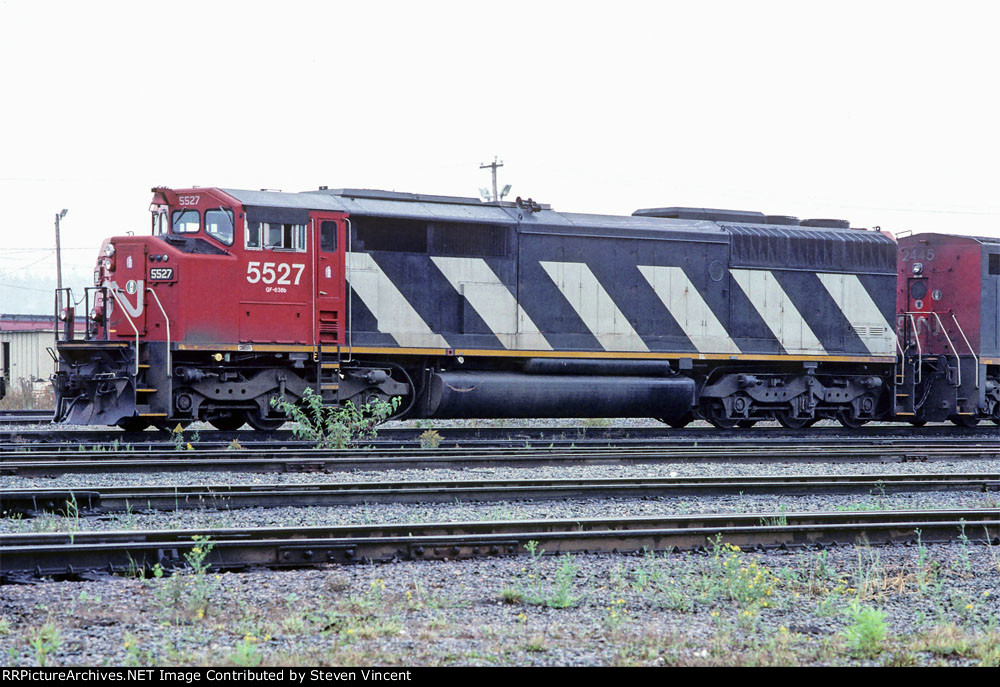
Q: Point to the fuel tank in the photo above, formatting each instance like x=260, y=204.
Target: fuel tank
x=509, y=394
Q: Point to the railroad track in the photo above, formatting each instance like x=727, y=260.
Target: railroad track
x=37, y=464
x=28, y=502
x=313, y=460
x=57, y=437
x=24, y=416
x=25, y=556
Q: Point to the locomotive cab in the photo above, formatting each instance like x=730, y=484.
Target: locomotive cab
x=200, y=318
x=948, y=323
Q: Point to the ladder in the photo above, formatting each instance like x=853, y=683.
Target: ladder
x=908, y=371
x=328, y=376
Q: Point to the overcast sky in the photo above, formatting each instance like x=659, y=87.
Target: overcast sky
x=883, y=113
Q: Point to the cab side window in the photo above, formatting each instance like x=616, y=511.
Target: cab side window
x=219, y=225
x=274, y=236
x=252, y=233
x=328, y=236
x=285, y=237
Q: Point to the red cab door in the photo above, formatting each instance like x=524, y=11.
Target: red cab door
x=129, y=309
x=329, y=239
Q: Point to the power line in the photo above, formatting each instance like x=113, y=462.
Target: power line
x=8, y=285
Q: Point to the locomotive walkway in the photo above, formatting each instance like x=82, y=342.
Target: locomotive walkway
x=26, y=556
x=144, y=498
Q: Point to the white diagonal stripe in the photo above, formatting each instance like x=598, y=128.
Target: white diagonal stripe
x=861, y=311
x=594, y=306
x=493, y=301
x=394, y=314
x=687, y=306
x=782, y=317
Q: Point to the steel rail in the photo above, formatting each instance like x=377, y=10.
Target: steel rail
x=312, y=460
x=70, y=554
x=140, y=498
x=25, y=416
x=389, y=435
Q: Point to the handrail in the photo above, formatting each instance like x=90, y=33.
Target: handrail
x=350, y=295
x=958, y=360
x=167, y=320
x=170, y=367
x=916, y=338
x=114, y=293
x=974, y=356
x=59, y=308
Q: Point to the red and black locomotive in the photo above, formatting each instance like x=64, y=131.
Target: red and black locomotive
x=472, y=309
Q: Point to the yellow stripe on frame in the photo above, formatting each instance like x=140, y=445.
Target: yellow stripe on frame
x=503, y=353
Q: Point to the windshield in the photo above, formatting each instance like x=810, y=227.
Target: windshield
x=159, y=215
x=185, y=222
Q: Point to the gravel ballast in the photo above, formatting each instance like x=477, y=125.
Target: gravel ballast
x=940, y=604
x=520, y=510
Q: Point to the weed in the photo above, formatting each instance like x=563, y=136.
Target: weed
x=247, y=653
x=191, y=589
x=616, y=614
x=562, y=596
x=511, y=595
x=536, y=644
x=746, y=583
x=964, y=566
x=867, y=630
x=334, y=427
x=134, y=656
x=430, y=439
x=779, y=520
x=178, y=437
x=870, y=579
x=45, y=641
x=88, y=598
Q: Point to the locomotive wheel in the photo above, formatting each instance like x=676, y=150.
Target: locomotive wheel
x=786, y=420
x=746, y=424
x=229, y=422
x=715, y=417
x=917, y=423
x=849, y=421
x=262, y=424
x=964, y=420
x=133, y=424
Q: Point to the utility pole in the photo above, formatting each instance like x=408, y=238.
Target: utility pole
x=59, y=216
x=484, y=192
x=493, y=167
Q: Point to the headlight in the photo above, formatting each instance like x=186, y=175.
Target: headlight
x=109, y=250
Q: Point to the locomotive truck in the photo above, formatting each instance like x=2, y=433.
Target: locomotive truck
x=511, y=309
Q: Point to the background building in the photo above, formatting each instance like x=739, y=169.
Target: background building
x=23, y=355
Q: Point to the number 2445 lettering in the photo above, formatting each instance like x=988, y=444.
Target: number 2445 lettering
x=272, y=273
